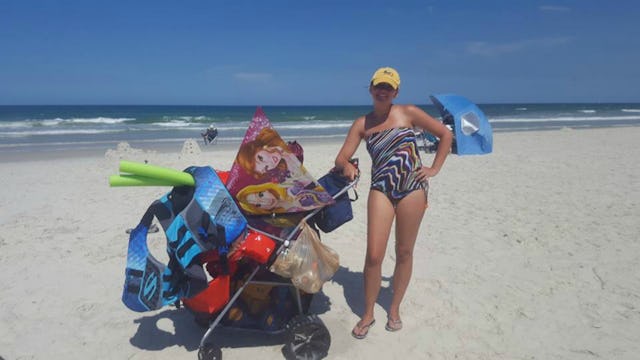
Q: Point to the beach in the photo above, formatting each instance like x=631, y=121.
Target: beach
x=530, y=252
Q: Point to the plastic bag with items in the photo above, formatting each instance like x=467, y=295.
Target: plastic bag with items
x=308, y=262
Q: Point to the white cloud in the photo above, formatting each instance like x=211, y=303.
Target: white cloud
x=488, y=49
x=554, y=8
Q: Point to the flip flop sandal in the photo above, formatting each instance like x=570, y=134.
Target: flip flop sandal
x=393, y=325
x=362, y=327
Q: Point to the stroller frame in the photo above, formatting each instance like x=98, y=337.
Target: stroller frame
x=308, y=337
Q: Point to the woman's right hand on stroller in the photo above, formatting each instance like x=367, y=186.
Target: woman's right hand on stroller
x=350, y=170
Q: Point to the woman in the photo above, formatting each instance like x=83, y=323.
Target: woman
x=399, y=184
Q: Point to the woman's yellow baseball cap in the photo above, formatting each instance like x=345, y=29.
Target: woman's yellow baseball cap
x=386, y=75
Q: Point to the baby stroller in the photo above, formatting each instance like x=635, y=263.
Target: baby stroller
x=243, y=292
x=263, y=300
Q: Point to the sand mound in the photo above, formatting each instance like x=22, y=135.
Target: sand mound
x=124, y=151
x=190, y=147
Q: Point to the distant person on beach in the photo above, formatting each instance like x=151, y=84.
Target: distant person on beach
x=399, y=185
x=210, y=134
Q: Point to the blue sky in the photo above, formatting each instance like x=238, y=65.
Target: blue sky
x=320, y=52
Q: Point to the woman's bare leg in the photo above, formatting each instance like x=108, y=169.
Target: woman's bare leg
x=409, y=213
x=380, y=213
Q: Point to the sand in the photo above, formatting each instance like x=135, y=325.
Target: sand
x=531, y=252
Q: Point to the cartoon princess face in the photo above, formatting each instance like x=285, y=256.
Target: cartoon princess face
x=270, y=198
x=262, y=200
x=267, y=156
x=267, y=159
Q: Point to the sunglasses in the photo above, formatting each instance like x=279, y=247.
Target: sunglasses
x=384, y=86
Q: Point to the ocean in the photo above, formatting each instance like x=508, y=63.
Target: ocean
x=29, y=128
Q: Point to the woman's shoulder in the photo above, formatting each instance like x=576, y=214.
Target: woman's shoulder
x=406, y=108
x=412, y=115
x=359, y=123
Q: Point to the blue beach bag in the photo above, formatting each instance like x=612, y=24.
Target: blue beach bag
x=333, y=216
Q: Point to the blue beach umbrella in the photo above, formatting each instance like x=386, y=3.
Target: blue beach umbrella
x=472, y=131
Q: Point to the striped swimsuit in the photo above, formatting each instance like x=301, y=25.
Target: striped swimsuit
x=395, y=159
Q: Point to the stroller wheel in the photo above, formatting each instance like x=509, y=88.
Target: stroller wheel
x=209, y=352
x=307, y=338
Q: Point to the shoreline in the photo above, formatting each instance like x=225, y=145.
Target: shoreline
x=86, y=149
x=60, y=151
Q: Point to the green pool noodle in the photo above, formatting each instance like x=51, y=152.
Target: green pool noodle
x=157, y=172
x=136, y=180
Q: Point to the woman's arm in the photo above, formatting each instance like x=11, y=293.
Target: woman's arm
x=351, y=143
x=423, y=120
